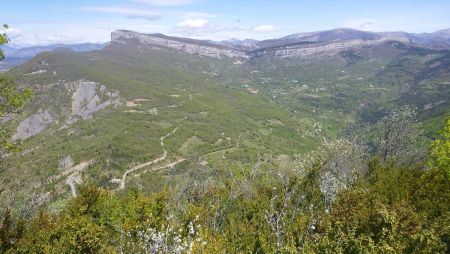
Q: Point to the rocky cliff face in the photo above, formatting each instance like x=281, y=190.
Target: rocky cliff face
x=288, y=50
x=316, y=49
x=33, y=125
x=185, y=45
x=87, y=98
x=90, y=97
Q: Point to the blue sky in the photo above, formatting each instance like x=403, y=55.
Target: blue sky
x=55, y=21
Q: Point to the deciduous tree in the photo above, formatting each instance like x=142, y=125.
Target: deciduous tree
x=12, y=101
x=396, y=136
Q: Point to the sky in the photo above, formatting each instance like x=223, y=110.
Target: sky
x=40, y=22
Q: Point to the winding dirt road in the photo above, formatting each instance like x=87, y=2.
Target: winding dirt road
x=159, y=159
x=74, y=175
x=219, y=151
x=170, y=165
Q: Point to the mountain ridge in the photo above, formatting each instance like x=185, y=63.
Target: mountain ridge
x=240, y=48
x=329, y=42
x=186, y=45
x=16, y=56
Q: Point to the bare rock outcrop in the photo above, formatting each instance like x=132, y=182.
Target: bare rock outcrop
x=90, y=97
x=33, y=124
x=66, y=163
x=86, y=98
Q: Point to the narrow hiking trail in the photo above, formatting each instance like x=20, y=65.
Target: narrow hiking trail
x=74, y=176
x=159, y=159
x=72, y=181
x=154, y=110
x=179, y=104
x=219, y=151
x=170, y=165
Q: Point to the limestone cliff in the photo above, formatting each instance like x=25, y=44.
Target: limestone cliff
x=203, y=48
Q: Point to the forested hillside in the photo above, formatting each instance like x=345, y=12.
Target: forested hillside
x=335, y=202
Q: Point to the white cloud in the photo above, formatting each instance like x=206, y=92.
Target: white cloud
x=166, y=2
x=195, y=27
x=203, y=29
x=30, y=39
x=70, y=34
x=121, y=10
x=147, y=13
x=362, y=23
x=145, y=17
x=266, y=28
x=196, y=14
x=12, y=32
x=193, y=24
x=394, y=23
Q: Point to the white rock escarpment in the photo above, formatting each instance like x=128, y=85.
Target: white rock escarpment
x=184, y=45
x=204, y=48
x=304, y=50
x=33, y=125
x=90, y=97
x=86, y=98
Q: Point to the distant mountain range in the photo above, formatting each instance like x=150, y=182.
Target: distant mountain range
x=16, y=56
x=436, y=40
x=294, y=45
